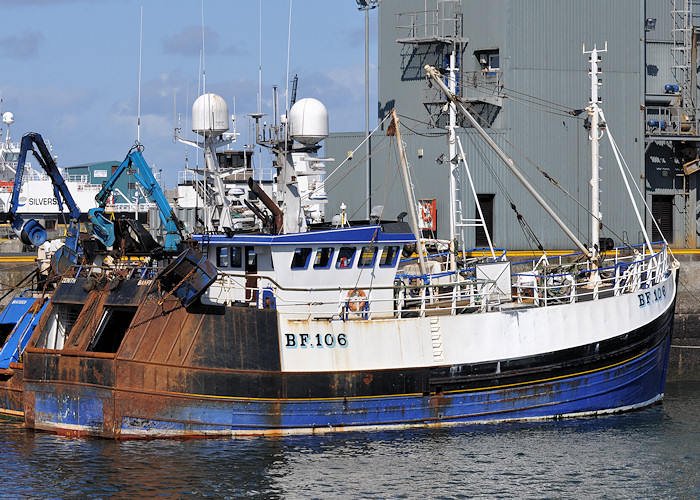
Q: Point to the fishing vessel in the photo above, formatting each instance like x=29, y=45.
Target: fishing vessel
x=291, y=330
x=21, y=315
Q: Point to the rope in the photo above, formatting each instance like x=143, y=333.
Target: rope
x=529, y=233
x=431, y=134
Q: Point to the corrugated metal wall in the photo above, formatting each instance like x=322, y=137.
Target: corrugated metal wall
x=541, y=67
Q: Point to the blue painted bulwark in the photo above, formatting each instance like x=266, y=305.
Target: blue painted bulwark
x=24, y=324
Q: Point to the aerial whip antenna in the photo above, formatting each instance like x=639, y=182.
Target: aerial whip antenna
x=260, y=60
x=289, y=43
x=138, y=112
x=204, y=70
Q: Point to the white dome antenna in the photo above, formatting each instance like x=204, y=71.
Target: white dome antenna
x=308, y=121
x=8, y=118
x=210, y=115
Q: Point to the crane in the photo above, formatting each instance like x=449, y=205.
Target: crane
x=31, y=232
x=103, y=228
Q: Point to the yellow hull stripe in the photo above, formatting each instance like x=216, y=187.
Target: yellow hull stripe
x=540, y=381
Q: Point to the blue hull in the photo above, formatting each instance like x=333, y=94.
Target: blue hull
x=109, y=412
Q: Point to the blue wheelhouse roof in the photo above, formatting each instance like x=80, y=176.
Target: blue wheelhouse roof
x=343, y=236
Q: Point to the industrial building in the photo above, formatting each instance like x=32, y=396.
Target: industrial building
x=125, y=196
x=521, y=67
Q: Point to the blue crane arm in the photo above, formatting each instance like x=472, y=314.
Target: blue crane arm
x=31, y=232
x=104, y=229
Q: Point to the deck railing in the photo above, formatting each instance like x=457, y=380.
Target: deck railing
x=535, y=284
x=541, y=283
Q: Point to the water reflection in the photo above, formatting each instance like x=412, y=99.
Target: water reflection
x=652, y=453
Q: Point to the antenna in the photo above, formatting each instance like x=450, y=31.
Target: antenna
x=289, y=43
x=260, y=60
x=138, y=112
x=204, y=70
x=233, y=117
x=175, y=124
x=286, y=93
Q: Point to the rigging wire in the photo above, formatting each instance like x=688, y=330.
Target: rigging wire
x=527, y=230
x=344, y=174
x=524, y=98
x=564, y=114
x=348, y=158
x=629, y=173
x=478, y=85
x=549, y=178
x=430, y=134
x=540, y=102
x=566, y=192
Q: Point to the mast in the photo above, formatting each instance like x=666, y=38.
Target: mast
x=595, y=134
x=409, y=193
x=435, y=75
x=451, y=145
x=452, y=152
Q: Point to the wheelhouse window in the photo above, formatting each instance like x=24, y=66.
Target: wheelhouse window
x=222, y=257
x=236, y=257
x=229, y=257
x=367, y=257
x=300, y=260
x=389, y=256
x=323, y=259
x=346, y=256
x=10, y=157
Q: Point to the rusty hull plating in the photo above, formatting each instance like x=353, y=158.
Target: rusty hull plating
x=138, y=364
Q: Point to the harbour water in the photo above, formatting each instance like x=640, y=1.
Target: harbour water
x=653, y=453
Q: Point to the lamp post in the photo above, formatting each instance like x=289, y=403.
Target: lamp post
x=366, y=6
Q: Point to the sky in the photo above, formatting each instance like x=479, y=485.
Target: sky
x=71, y=69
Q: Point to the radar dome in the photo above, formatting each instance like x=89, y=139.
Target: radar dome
x=210, y=115
x=8, y=118
x=308, y=121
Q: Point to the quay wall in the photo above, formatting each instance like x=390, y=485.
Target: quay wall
x=684, y=359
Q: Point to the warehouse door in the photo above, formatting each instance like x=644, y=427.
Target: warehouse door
x=662, y=211
x=486, y=202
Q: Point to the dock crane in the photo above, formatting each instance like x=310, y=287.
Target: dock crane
x=31, y=232
x=103, y=228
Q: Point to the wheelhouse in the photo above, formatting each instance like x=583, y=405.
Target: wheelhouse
x=313, y=274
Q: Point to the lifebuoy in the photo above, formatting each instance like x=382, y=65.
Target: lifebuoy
x=426, y=214
x=356, y=300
